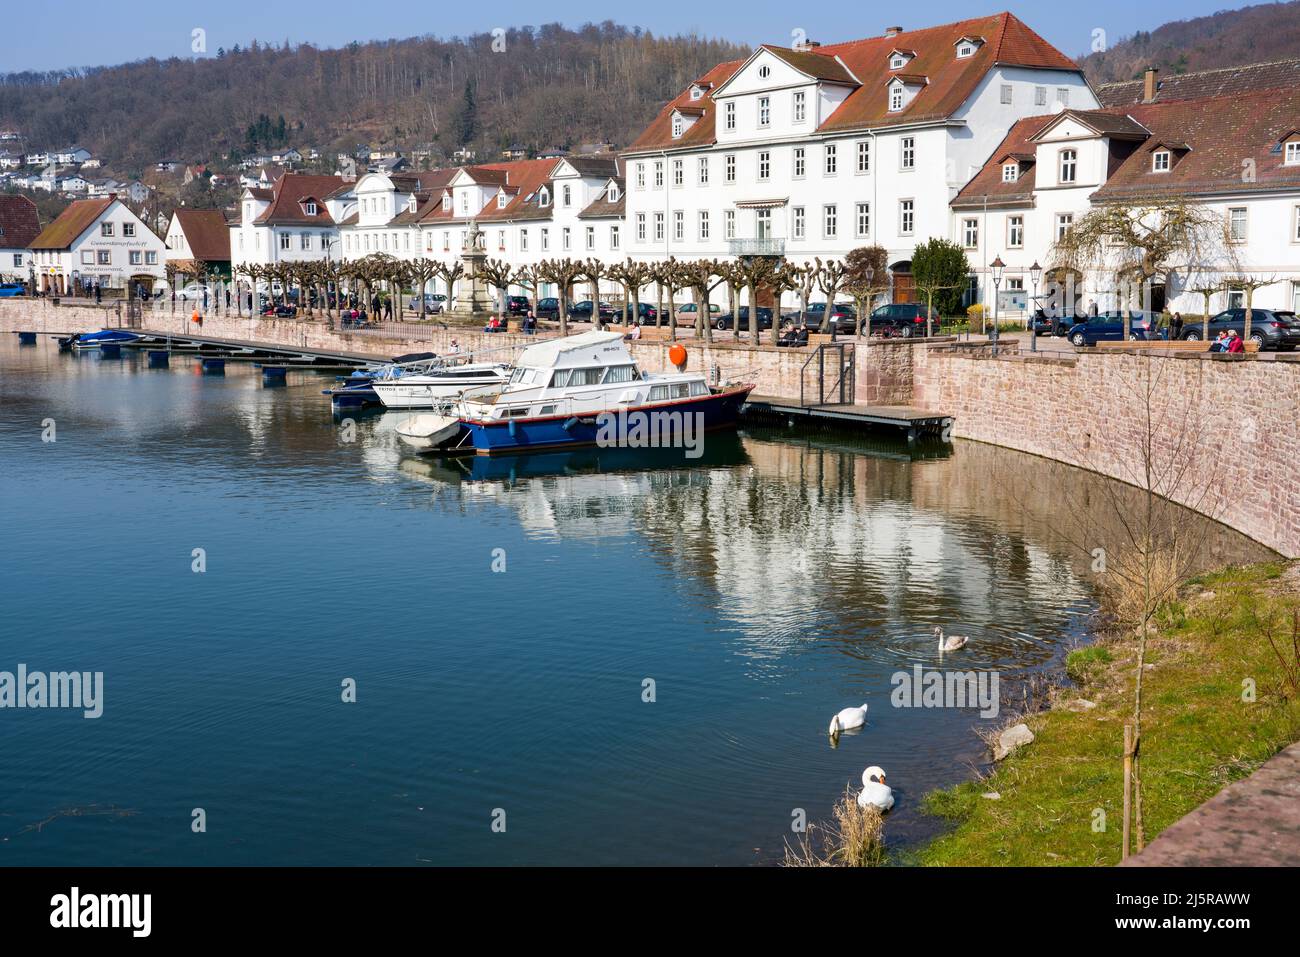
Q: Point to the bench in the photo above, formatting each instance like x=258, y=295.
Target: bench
x=1172, y=345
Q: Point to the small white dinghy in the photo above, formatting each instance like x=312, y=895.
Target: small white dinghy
x=428, y=430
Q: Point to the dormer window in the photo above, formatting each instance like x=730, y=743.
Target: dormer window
x=543, y=197
x=964, y=50
x=1010, y=172
x=897, y=61
x=410, y=204
x=613, y=192
x=895, y=98
x=696, y=92
x=446, y=204
x=1291, y=153
x=501, y=200
x=1160, y=161
x=309, y=208
x=678, y=127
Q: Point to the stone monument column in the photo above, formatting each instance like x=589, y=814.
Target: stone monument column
x=474, y=300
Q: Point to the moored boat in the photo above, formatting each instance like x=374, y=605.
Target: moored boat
x=83, y=341
x=439, y=384
x=357, y=390
x=585, y=390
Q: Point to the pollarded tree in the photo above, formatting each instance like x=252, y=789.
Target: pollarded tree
x=450, y=273
x=866, y=276
x=634, y=276
x=1142, y=240
x=593, y=270
x=752, y=274
x=702, y=276
x=830, y=277
x=940, y=271
x=1248, y=284
x=423, y=271
x=564, y=273
x=498, y=273
x=530, y=279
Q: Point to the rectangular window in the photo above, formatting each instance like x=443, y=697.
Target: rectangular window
x=798, y=226
x=591, y=237
x=764, y=166
x=135, y=257
x=1237, y=224
x=729, y=167
x=1006, y=94
x=704, y=171
x=523, y=240
x=105, y=257
x=1160, y=161
x=640, y=227
x=1063, y=223
x=1040, y=96
x=800, y=106
x=679, y=173
x=895, y=98
x=763, y=222
x=284, y=240
x=729, y=111
x=613, y=237
x=1292, y=153
x=864, y=156
x=679, y=226
x=970, y=233
x=1010, y=172
x=640, y=175
x=907, y=153
x=1069, y=166
x=566, y=238
x=729, y=224
x=830, y=221
x=764, y=112
x=106, y=230
x=659, y=174
x=800, y=162
x=906, y=216
x=659, y=227
x=1063, y=95
x=128, y=229
x=863, y=220
x=304, y=241
x=704, y=225
x=1295, y=225
x=87, y=257
x=151, y=258
x=832, y=161
x=545, y=239
x=1016, y=232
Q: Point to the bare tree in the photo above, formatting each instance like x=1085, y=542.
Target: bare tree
x=498, y=274
x=564, y=273
x=634, y=276
x=866, y=276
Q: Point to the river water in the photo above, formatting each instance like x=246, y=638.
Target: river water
x=500, y=716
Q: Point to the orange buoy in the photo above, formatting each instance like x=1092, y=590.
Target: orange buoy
x=677, y=355
x=196, y=317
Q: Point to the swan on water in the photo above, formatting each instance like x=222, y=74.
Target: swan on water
x=848, y=719
x=875, y=793
x=952, y=642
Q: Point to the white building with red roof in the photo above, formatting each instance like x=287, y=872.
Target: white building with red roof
x=295, y=220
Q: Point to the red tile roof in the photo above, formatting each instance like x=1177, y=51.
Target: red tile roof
x=949, y=81
x=206, y=233
x=72, y=222
x=291, y=191
x=987, y=186
x=19, y=222
x=1280, y=74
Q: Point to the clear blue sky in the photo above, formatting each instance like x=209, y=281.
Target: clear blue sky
x=86, y=33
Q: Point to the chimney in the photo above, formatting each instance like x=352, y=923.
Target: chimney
x=893, y=31
x=1150, y=84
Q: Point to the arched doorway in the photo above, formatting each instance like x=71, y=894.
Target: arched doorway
x=903, y=286
x=1062, y=292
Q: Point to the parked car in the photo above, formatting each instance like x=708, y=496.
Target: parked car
x=1271, y=328
x=12, y=289
x=193, y=292
x=582, y=311
x=907, y=320
x=764, y=319
x=844, y=318
x=1043, y=324
x=517, y=305
x=647, y=315
x=433, y=302
x=686, y=313
x=1109, y=327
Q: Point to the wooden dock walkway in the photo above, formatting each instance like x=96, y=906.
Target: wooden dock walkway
x=912, y=421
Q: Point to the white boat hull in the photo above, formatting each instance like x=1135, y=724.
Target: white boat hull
x=428, y=392
x=428, y=431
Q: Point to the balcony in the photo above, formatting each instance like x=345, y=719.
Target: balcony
x=756, y=247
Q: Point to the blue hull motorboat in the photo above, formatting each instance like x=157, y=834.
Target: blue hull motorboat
x=83, y=341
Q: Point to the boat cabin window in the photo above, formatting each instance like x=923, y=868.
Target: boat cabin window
x=525, y=376
x=699, y=388
x=547, y=410
x=620, y=373
x=674, y=390
x=514, y=413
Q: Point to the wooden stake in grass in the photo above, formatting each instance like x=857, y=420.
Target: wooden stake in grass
x=1128, y=787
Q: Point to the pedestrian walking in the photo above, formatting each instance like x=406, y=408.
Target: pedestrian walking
x=1177, y=325
x=99, y=293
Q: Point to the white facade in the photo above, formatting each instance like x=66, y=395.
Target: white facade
x=116, y=248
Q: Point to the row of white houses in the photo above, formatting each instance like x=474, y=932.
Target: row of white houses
x=979, y=132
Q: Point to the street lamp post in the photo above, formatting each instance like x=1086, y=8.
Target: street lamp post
x=1035, y=274
x=997, y=266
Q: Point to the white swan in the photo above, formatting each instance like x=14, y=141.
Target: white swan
x=874, y=791
x=848, y=719
x=952, y=642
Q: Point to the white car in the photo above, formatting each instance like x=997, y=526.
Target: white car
x=193, y=292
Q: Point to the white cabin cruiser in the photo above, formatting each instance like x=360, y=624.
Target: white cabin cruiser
x=439, y=384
